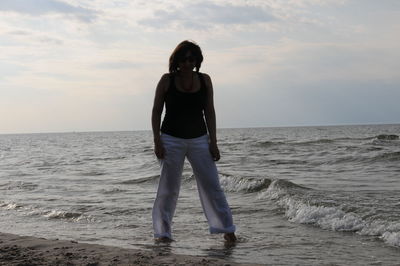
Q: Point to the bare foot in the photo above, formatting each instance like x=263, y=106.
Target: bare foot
x=230, y=237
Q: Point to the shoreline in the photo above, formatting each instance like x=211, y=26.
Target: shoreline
x=28, y=250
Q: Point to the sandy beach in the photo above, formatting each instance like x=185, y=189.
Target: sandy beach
x=27, y=250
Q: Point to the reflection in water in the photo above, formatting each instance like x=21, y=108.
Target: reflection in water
x=224, y=252
x=162, y=248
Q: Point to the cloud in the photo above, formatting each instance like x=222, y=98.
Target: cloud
x=15, y=37
x=207, y=14
x=8, y=70
x=305, y=3
x=44, y=7
x=49, y=40
x=117, y=65
x=19, y=33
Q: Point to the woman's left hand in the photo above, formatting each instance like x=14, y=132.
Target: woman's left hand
x=214, y=151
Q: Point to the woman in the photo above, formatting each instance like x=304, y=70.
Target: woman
x=188, y=98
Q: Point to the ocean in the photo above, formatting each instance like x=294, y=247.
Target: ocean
x=327, y=195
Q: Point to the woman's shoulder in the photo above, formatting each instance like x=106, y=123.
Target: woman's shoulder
x=165, y=81
x=205, y=75
x=165, y=78
x=206, y=78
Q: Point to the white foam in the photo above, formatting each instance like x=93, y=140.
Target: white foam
x=391, y=238
x=12, y=206
x=59, y=214
x=241, y=184
x=330, y=218
x=387, y=231
x=62, y=214
x=326, y=217
x=9, y=205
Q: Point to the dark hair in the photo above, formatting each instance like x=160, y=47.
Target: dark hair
x=180, y=51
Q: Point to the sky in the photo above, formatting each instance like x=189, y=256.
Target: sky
x=80, y=65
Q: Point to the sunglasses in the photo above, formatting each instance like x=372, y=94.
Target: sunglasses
x=190, y=59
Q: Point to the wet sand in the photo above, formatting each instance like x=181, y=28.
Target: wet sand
x=27, y=250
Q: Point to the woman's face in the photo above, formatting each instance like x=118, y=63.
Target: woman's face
x=187, y=62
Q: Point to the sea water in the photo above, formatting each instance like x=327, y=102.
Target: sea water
x=299, y=195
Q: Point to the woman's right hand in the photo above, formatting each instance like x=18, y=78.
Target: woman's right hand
x=159, y=148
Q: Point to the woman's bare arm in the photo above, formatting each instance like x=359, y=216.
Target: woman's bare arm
x=209, y=112
x=158, y=107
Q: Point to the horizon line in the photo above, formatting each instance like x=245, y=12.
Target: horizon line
x=248, y=127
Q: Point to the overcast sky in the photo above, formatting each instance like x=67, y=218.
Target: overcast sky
x=75, y=65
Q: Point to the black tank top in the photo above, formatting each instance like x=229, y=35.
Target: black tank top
x=184, y=111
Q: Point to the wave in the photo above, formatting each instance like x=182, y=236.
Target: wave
x=327, y=141
x=278, y=185
x=317, y=141
x=18, y=185
x=139, y=180
x=104, y=158
x=30, y=210
x=93, y=173
x=385, y=140
x=387, y=137
x=253, y=184
x=388, y=156
x=375, y=139
x=301, y=208
x=113, y=191
x=243, y=184
x=322, y=141
x=379, y=158
x=71, y=216
x=286, y=161
x=63, y=215
x=9, y=205
x=228, y=182
x=269, y=143
x=389, y=232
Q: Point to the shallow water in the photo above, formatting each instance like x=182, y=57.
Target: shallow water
x=301, y=195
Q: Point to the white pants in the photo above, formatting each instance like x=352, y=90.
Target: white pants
x=212, y=197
